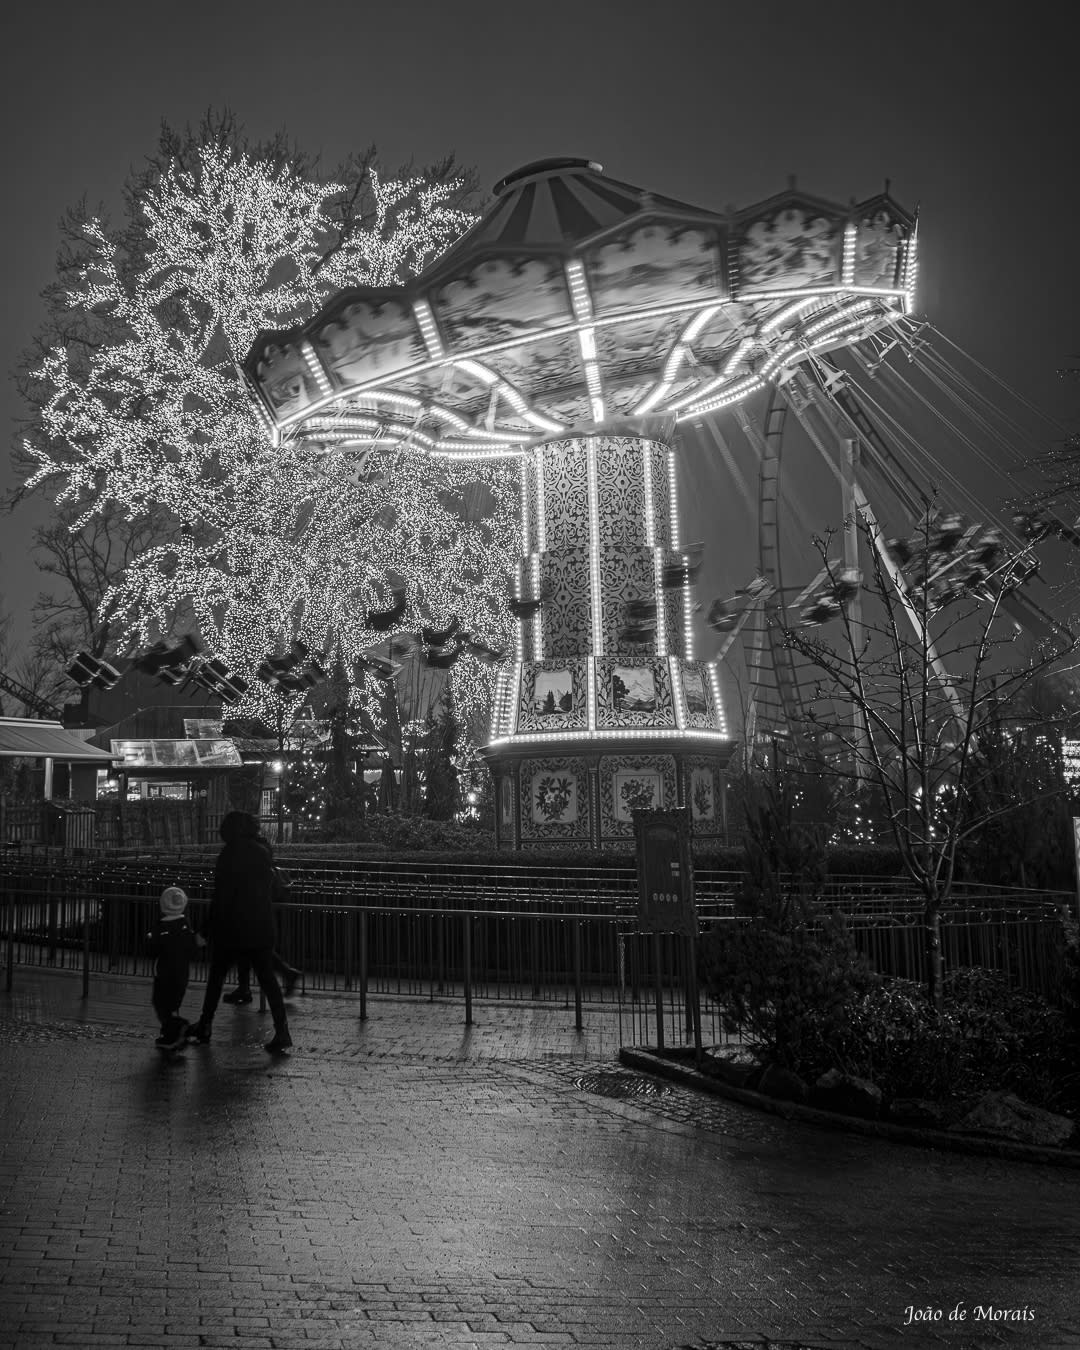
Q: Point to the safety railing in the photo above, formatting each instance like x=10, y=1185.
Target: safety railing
x=75, y=921
x=464, y=933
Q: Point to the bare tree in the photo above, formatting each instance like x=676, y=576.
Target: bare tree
x=927, y=656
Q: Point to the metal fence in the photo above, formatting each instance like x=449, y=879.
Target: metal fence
x=94, y=921
x=150, y=823
x=462, y=932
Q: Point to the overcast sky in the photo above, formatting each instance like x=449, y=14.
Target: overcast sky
x=968, y=108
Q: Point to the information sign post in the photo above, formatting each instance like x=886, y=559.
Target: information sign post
x=666, y=900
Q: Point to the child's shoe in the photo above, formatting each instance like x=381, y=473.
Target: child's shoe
x=198, y=1032
x=281, y=1042
x=238, y=995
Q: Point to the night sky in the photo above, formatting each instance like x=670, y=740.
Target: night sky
x=964, y=110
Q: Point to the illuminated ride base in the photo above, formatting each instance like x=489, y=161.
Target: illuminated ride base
x=574, y=327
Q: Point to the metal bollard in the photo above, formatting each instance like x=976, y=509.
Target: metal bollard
x=466, y=953
x=363, y=965
x=9, y=908
x=86, y=945
x=575, y=931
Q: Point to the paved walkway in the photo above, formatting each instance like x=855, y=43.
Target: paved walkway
x=407, y=1182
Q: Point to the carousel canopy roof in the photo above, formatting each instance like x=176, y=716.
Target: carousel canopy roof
x=578, y=300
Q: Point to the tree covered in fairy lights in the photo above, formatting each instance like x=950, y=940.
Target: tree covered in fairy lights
x=139, y=412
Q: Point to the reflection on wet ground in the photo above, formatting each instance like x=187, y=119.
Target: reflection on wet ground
x=381, y=1187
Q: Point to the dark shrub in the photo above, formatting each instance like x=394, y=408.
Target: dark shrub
x=988, y=1038
x=784, y=972
x=893, y=1037
x=1014, y=1040
x=788, y=988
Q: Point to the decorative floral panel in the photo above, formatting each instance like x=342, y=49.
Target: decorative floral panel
x=673, y=616
x=565, y=495
x=662, y=262
x=660, y=461
x=698, y=698
x=702, y=793
x=554, y=695
x=565, y=614
x=368, y=339
x=499, y=300
x=703, y=786
x=621, y=491
x=877, y=250
x=795, y=247
x=633, y=694
x=631, y=781
x=554, y=799
x=289, y=384
x=627, y=574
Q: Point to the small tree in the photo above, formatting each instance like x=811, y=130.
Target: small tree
x=912, y=689
x=442, y=791
x=1020, y=753
x=787, y=972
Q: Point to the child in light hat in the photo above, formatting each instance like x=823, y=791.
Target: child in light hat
x=173, y=944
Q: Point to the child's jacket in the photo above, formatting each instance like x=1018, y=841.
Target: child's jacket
x=173, y=944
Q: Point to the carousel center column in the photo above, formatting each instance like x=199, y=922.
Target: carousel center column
x=588, y=724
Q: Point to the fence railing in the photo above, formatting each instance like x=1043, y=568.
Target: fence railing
x=151, y=823
x=68, y=921
x=514, y=933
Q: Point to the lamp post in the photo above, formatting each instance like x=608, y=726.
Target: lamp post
x=277, y=768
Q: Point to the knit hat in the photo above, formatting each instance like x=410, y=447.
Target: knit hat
x=173, y=902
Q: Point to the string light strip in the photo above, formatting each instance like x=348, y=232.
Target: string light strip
x=594, y=321
x=615, y=734
x=661, y=602
x=718, y=704
x=847, y=263
x=596, y=605
x=538, y=617
x=581, y=303
x=680, y=700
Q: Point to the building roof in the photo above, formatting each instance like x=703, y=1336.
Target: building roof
x=36, y=738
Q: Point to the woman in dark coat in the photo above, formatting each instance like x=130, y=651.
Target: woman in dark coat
x=240, y=925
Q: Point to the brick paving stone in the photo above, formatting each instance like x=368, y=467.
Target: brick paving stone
x=408, y=1183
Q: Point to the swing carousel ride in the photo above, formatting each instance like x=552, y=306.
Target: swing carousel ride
x=598, y=333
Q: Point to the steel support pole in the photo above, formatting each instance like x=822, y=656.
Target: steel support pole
x=659, y=985
x=575, y=933
x=466, y=959
x=850, y=459
x=363, y=965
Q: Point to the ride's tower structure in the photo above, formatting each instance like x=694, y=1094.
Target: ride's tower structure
x=604, y=708
x=573, y=328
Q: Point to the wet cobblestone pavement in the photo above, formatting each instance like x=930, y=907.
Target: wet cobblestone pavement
x=408, y=1182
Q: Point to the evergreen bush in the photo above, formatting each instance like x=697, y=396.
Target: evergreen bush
x=786, y=972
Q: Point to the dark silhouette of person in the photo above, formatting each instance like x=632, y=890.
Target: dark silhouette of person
x=289, y=975
x=240, y=924
x=172, y=944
